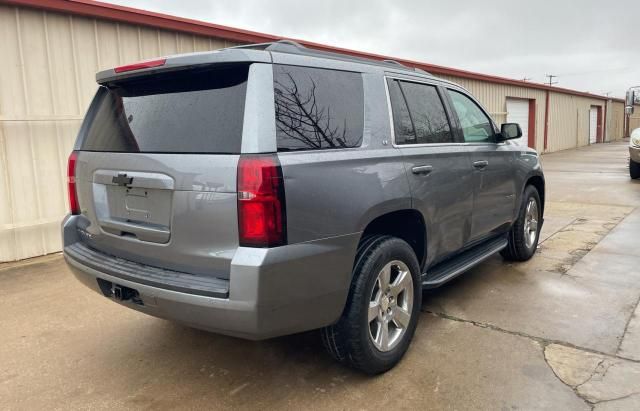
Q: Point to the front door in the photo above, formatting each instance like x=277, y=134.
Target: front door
x=438, y=169
x=492, y=165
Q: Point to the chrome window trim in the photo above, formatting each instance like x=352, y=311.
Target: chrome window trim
x=389, y=109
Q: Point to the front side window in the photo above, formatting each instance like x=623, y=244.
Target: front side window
x=317, y=108
x=476, y=126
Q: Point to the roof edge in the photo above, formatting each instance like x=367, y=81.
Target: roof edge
x=96, y=9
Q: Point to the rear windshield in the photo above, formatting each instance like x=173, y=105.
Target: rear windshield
x=194, y=111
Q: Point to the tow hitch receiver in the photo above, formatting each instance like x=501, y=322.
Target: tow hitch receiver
x=122, y=293
x=119, y=292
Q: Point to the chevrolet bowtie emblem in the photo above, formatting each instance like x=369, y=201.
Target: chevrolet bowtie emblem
x=122, y=179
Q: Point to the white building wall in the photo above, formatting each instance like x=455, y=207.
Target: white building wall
x=569, y=120
x=615, y=121
x=49, y=61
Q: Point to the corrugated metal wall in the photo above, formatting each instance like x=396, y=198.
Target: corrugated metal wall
x=47, y=80
x=615, y=120
x=568, y=115
x=569, y=120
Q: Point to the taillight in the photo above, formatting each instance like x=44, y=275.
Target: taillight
x=71, y=183
x=261, y=202
x=140, y=65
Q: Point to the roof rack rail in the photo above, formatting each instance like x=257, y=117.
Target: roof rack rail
x=286, y=46
x=419, y=70
x=394, y=62
x=416, y=69
x=293, y=47
x=253, y=46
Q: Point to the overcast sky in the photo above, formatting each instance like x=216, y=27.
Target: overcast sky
x=591, y=45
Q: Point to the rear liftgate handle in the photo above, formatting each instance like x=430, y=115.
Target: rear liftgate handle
x=422, y=170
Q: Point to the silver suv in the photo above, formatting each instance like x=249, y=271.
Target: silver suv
x=270, y=189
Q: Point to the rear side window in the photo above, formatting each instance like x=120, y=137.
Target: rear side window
x=427, y=112
x=418, y=114
x=402, y=124
x=317, y=108
x=195, y=111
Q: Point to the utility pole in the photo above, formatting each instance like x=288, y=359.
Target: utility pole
x=551, y=77
x=526, y=78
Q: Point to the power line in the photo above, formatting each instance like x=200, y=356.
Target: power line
x=551, y=77
x=584, y=73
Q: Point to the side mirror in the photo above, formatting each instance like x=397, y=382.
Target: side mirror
x=629, y=102
x=510, y=131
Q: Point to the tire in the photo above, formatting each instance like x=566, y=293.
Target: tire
x=351, y=340
x=521, y=246
x=634, y=169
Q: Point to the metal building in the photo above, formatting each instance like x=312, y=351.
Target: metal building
x=51, y=50
x=633, y=121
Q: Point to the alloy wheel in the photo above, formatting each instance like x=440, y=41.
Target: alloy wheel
x=531, y=222
x=390, y=305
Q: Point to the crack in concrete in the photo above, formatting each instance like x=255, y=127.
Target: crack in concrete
x=617, y=399
x=564, y=227
x=543, y=341
x=563, y=267
x=626, y=326
x=600, y=370
x=575, y=255
x=595, y=370
x=574, y=389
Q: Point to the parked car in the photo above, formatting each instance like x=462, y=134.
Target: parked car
x=271, y=189
x=634, y=154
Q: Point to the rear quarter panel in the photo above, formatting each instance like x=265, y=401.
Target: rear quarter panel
x=334, y=193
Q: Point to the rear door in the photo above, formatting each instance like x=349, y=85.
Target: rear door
x=437, y=167
x=492, y=164
x=156, y=169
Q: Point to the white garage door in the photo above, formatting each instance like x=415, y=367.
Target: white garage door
x=593, y=125
x=518, y=112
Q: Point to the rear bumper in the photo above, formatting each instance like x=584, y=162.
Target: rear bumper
x=634, y=153
x=271, y=291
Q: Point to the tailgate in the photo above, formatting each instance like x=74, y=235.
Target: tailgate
x=156, y=169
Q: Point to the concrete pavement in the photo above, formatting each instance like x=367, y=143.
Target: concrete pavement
x=557, y=332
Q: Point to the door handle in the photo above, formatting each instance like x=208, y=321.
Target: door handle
x=422, y=170
x=480, y=165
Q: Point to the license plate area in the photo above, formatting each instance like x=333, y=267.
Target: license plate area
x=134, y=205
x=140, y=205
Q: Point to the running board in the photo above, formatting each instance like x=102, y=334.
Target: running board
x=450, y=269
